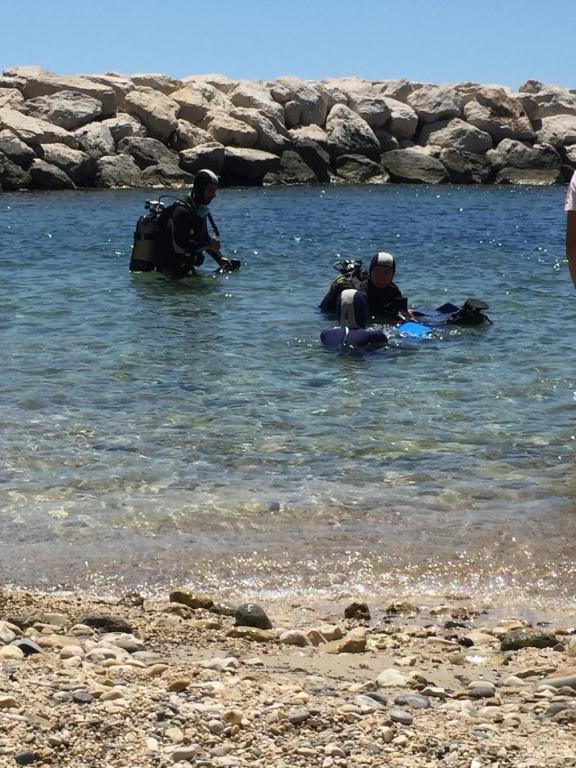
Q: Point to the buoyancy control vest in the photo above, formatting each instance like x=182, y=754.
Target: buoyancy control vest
x=144, y=249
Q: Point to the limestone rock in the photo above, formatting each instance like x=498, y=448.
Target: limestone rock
x=188, y=136
x=529, y=177
x=158, y=112
x=456, y=134
x=12, y=176
x=519, y=155
x=271, y=135
x=313, y=155
x=78, y=165
x=209, y=155
x=527, y=638
x=147, y=151
x=371, y=106
x=220, y=82
x=33, y=131
x=15, y=149
x=46, y=83
x=350, y=134
x=308, y=105
x=435, y=103
x=496, y=112
x=403, y=120
x=68, y=109
x=557, y=130
x=252, y=615
x=256, y=96
x=120, y=84
x=466, y=167
x=157, y=81
x=293, y=170
x=106, y=622
x=413, y=165
x=47, y=176
x=547, y=101
x=123, y=125
x=10, y=97
x=229, y=131
x=95, y=139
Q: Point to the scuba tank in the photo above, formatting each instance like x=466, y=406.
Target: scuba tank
x=145, y=235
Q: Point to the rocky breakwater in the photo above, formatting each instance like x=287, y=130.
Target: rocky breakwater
x=152, y=130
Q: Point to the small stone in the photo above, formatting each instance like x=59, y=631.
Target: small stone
x=106, y=623
x=191, y=599
x=481, y=689
x=7, y=702
x=299, y=716
x=11, y=652
x=294, y=637
x=82, y=697
x=252, y=615
x=527, y=638
x=25, y=758
x=179, y=684
x=359, y=611
x=233, y=716
x=251, y=633
x=402, y=608
x=27, y=646
x=414, y=700
x=400, y=716
x=391, y=678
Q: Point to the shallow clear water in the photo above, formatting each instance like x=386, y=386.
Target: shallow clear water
x=155, y=431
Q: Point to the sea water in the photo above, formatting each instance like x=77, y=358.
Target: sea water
x=155, y=432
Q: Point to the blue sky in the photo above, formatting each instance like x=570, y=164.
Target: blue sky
x=439, y=41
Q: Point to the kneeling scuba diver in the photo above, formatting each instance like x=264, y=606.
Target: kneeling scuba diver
x=352, y=333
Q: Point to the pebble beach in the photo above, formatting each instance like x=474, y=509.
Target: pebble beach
x=180, y=679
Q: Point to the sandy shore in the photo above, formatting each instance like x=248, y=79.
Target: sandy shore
x=135, y=681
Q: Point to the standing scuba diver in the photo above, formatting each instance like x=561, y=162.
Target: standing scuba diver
x=183, y=234
x=385, y=299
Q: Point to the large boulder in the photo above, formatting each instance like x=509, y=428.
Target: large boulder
x=292, y=170
x=229, y=131
x=158, y=112
x=166, y=175
x=77, y=165
x=33, y=131
x=271, y=135
x=350, y=134
x=496, y=112
x=434, y=103
x=456, y=134
x=372, y=106
x=529, y=177
x=403, y=119
x=413, y=165
x=12, y=176
x=196, y=99
x=47, y=176
x=11, y=97
x=256, y=95
x=117, y=171
x=15, y=149
x=124, y=125
x=209, y=156
x=558, y=130
x=221, y=82
x=515, y=154
x=120, y=84
x=247, y=166
x=15, y=83
x=95, y=139
x=466, y=167
x=398, y=89
x=44, y=84
x=313, y=154
x=68, y=109
x=147, y=151
x=188, y=136
x=312, y=133
x=356, y=169
x=546, y=100
x=307, y=106
x=157, y=82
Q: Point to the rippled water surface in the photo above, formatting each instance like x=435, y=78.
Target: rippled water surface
x=153, y=431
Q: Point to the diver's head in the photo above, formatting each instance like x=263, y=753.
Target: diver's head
x=381, y=270
x=204, y=188
x=352, y=309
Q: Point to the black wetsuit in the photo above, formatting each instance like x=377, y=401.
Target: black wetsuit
x=183, y=236
x=383, y=303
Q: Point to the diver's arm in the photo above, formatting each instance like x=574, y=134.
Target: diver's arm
x=571, y=243
x=328, y=303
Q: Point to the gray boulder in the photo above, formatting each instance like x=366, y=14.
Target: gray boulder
x=95, y=139
x=558, y=130
x=188, y=136
x=33, y=131
x=398, y=89
x=434, y=103
x=196, y=98
x=210, y=155
x=68, y=109
x=403, y=119
x=124, y=125
x=221, y=83
x=313, y=155
x=255, y=95
x=302, y=101
x=466, y=167
x=413, y=165
x=247, y=166
x=292, y=170
x=166, y=175
x=120, y=84
x=357, y=169
x=547, y=101
x=46, y=83
x=456, y=134
x=159, y=113
x=499, y=114
x=350, y=134
x=10, y=97
x=147, y=151
x=77, y=165
x=15, y=149
x=47, y=176
x=12, y=176
x=157, y=82
x=516, y=154
x=16, y=83
x=117, y=171
x=271, y=135
x=230, y=131
x=371, y=106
